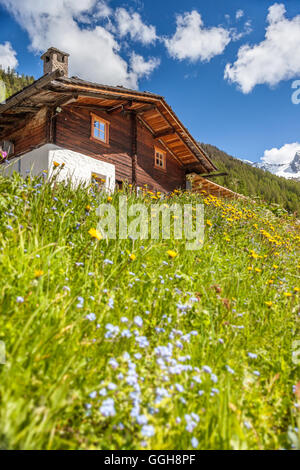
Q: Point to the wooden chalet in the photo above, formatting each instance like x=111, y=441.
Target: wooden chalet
x=111, y=133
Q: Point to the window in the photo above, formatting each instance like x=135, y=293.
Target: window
x=100, y=129
x=119, y=184
x=160, y=159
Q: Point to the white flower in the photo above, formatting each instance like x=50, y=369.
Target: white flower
x=111, y=386
x=113, y=363
x=252, y=356
x=195, y=443
x=142, y=420
x=231, y=371
x=138, y=322
x=148, y=431
x=108, y=408
x=91, y=317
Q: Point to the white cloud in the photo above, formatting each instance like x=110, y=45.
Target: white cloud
x=101, y=10
x=142, y=67
x=282, y=155
x=193, y=41
x=95, y=52
x=237, y=35
x=272, y=60
x=239, y=14
x=132, y=25
x=8, y=56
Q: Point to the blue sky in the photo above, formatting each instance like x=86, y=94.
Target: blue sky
x=179, y=50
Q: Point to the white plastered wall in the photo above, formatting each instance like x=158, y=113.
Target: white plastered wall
x=77, y=166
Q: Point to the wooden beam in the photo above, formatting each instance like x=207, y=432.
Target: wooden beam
x=160, y=141
x=146, y=124
x=190, y=167
x=176, y=132
x=119, y=108
x=134, y=146
x=7, y=119
x=164, y=133
x=170, y=151
x=213, y=175
x=26, y=109
x=65, y=102
x=30, y=90
x=194, y=148
x=106, y=96
x=91, y=106
x=145, y=109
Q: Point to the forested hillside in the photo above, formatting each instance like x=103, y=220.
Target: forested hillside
x=14, y=82
x=254, y=182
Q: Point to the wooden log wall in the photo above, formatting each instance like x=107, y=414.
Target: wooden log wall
x=31, y=134
x=73, y=130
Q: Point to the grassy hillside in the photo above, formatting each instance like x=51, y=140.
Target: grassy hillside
x=14, y=82
x=126, y=345
x=250, y=181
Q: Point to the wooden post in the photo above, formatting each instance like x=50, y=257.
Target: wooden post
x=51, y=126
x=134, y=146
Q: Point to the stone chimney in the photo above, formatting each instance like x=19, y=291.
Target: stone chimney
x=55, y=59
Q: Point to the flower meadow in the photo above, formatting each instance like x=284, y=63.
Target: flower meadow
x=141, y=344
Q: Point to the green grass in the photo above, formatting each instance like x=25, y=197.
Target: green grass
x=56, y=357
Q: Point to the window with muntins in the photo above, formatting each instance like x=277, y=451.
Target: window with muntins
x=100, y=129
x=160, y=159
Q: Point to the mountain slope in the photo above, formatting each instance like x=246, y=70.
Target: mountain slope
x=255, y=182
x=289, y=170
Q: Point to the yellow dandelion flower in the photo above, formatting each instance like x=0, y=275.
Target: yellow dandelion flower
x=38, y=273
x=297, y=289
x=250, y=268
x=275, y=266
x=55, y=164
x=88, y=208
x=109, y=199
x=209, y=223
x=172, y=254
x=95, y=234
x=269, y=304
x=258, y=270
x=288, y=294
x=132, y=257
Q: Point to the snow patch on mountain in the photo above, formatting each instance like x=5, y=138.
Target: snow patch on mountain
x=284, y=161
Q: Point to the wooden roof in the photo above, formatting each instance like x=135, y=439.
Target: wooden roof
x=200, y=184
x=53, y=90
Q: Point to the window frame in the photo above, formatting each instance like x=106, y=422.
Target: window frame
x=164, y=155
x=95, y=118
